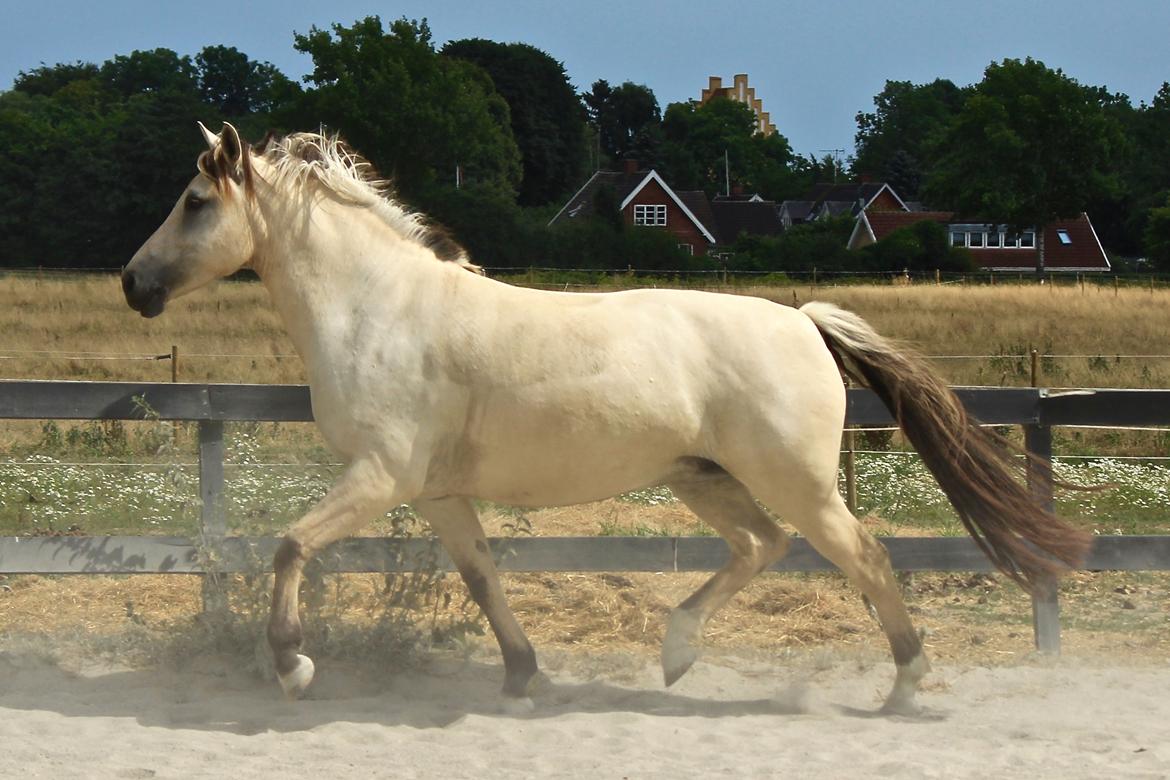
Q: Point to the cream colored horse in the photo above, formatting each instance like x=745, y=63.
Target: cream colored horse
x=439, y=386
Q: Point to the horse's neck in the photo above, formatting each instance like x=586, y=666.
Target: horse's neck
x=328, y=270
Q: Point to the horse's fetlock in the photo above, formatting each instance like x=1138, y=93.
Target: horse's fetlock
x=284, y=635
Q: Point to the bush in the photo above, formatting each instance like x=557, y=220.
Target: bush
x=923, y=246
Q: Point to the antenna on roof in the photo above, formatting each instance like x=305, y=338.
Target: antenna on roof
x=726, y=175
x=835, y=154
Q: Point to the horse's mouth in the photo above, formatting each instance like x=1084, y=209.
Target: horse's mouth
x=149, y=299
x=154, y=306
x=150, y=305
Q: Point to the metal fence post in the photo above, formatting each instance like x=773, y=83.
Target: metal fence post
x=212, y=522
x=1045, y=599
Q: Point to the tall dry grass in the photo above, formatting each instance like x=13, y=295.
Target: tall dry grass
x=79, y=327
x=229, y=332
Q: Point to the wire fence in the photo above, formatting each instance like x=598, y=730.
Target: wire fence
x=75, y=355
x=725, y=275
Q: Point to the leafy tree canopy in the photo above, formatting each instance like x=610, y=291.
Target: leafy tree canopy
x=548, y=121
x=96, y=155
x=626, y=119
x=1029, y=146
x=895, y=142
x=418, y=116
x=701, y=141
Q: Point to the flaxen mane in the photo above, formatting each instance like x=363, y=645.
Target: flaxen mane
x=331, y=163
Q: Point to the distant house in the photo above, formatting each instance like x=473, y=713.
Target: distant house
x=644, y=198
x=835, y=200
x=1069, y=245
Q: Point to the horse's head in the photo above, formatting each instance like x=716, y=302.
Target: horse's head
x=208, y=234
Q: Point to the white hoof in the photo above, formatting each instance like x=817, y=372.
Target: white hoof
x=295, y=682
x=901, y=698
x=513, y=706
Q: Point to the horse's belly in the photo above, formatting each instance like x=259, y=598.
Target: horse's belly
x=568, y=478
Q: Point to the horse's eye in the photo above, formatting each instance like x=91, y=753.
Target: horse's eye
x=194, y=202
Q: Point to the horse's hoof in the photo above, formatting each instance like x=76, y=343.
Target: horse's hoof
x=295, y=682
x=511, y=705
x=678, y=649
x=904, y=706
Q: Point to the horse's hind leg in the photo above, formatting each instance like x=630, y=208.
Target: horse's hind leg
x=756, y=542
x=362, y=492
x=835, y=533
x=456, y=524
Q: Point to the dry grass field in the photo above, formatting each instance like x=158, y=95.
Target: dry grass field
x=55, y=327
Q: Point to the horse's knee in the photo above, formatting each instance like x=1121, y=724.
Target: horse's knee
x=760, y=546
x=289, y=553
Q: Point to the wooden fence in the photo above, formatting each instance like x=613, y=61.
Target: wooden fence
x=1037, y=410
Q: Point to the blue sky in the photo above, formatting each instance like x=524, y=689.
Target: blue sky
x=814, y=64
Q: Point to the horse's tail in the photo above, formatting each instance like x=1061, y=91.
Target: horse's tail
x=975, y=467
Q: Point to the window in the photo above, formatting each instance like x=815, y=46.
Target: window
x=1064, y=237
x=975, y=240
x=687, y=248
x=994, y=239
x=653, y=214
x=1028, y=239
x=1010, y=240
x=958, y=238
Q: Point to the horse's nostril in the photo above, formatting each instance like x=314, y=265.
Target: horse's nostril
x=127, y=282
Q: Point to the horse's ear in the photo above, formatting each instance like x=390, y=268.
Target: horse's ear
x=211, y=138
x=230, y=146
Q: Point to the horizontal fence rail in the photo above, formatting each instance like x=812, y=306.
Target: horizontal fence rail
x=250, y=555
x=211, y=405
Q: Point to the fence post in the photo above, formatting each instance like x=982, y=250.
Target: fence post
x=1045, y=599
x=850, y=464
x=212, y=522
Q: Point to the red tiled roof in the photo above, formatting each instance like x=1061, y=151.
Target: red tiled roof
x=1082, y=253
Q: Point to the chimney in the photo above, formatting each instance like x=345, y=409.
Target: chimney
x=737, y=189
x=629, y=166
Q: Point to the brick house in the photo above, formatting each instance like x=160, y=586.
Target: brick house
x=698, y=223
x=1069, y=245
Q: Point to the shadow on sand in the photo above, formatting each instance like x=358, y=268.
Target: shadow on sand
x=215, y=695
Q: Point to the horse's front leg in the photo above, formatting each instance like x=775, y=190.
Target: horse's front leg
x=456, y=524
x=362, y=492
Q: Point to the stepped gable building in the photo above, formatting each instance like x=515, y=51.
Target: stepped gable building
x=741, y=92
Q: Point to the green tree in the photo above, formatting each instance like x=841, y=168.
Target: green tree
x=418, y=116
x=157, y=70
x=548, y=121
x=1029, y=146
x=1157, y=237
x=923, y=246
x=895, y=141
x=238, y=87
x=816, y=246
x=710, y=145
x=94, y=155
x=626, y=120
x=46, y=80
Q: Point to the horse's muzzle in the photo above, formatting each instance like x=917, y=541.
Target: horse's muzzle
x=148, y=298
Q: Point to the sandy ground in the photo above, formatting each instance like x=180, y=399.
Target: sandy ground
x=598, y=716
